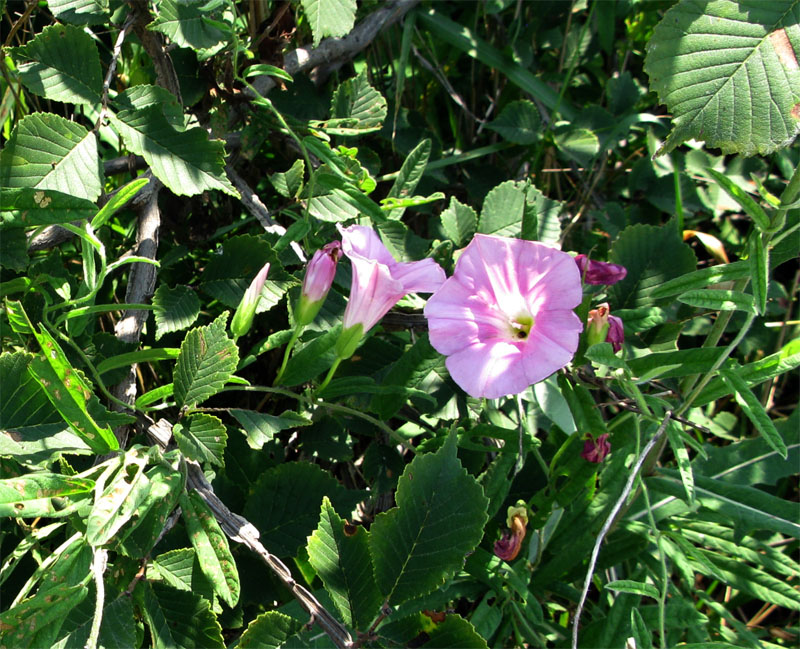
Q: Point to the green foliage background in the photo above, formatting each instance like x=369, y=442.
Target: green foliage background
x=161, y=487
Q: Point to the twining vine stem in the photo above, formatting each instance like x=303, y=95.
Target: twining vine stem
x=609, y=522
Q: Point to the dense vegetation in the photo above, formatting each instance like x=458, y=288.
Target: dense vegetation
x=240, y=404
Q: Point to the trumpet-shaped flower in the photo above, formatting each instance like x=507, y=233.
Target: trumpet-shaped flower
x=600, y=272
x=317, y=282
x=379, y=281
x=505, y=318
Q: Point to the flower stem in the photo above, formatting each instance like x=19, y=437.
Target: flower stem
x=289, y=346
x=330, y=374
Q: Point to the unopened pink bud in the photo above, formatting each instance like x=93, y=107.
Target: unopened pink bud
x=243, y=318
x=317, y=282
x=616, y=332
x=599, y=272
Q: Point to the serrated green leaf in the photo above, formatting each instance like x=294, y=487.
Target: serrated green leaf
x=759, y=271
x=755, y=412
x=187, y=162
x=652, y=256
x=260, y=427
x=342, y=560
x=79, y=12
x=329, y=17
x=290, y=183
x=185, y=24
x=459, y=222
x=117, y=630
x=502, y=210
x=202, y=439
x=180, y=620
x=719, y=300
x=643, y=318
x=181, y=569
x=207, y=360
x=357, y=100
x=121, y=497
x=270, y=630
x=211, y=546
x=39, y=494
x=439, y=518
x=174, y=309
x=739, y=99
x=46, y=151
x=35, y=622
x=28, y=206
x=284, y=502
x=519, y=122
x=62, y=64
x=343, y=190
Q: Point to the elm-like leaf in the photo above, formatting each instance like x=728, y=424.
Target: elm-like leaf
x=207, y=360
x=46, y=151
x=62, y=63
x=439, y=519
x=339, y=552
x=728, y=73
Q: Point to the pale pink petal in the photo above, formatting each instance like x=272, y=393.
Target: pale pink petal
x=364, y=242
x=372, y=294
x=558, y=286
x=424, y=276
x=489, y=370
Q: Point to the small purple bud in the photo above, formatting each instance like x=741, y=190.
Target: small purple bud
x=599, y=272
x=616, y=332
x=596, y=450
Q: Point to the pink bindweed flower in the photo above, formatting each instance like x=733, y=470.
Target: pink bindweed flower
x=599, y=272
x=504, y=319
x=243, y=318
x=379, y=281
x=317, y=282
x=596, y=450
x=604, y=327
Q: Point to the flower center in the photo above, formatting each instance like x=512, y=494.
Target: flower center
x=520, y=326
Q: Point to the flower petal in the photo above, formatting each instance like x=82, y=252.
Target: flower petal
x=373, y=292
x=488, y=370
x=363, y=241
x=424, y=276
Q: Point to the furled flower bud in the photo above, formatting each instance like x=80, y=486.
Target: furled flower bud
x=599, y=272
x=508, y=547
x=317, y=282
x=596, y=450
x=604, y=327
x=243, y=318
